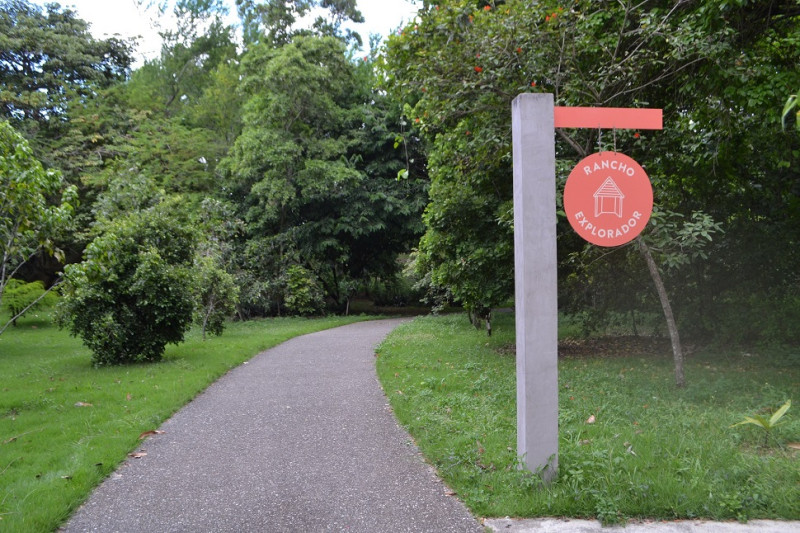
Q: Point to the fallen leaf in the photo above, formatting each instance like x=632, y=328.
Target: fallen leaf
x=83, y=404
x=151, y=432
x=585, y=442
x=128, y=397
x=137, y=455
x=591, y=420
x=794, y=445
x=399, y=392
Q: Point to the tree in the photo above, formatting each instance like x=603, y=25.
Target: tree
x=712, y=67
x=29, y=220
x=55, y=89
x=274, y=22
x=187, y=100
x=134, y=291
x=314, y=171
x=48, y=59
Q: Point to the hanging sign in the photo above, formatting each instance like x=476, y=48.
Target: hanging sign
x=608, y=199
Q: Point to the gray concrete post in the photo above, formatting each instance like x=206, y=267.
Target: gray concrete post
x=535, y=265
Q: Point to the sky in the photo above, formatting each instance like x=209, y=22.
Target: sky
x=128, y=19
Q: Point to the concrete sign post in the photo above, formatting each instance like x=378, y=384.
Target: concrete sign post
x=534, y=119
x=535, y=268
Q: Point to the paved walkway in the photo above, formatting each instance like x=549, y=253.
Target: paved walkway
x=299, y=439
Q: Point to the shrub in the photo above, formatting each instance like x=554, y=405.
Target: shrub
x=18, y=295
x=303, y=294
x=133, y=293
x=217, y=295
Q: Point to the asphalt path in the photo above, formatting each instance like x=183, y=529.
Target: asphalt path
x=300, y=438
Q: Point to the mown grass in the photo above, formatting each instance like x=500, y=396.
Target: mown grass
x=65, y=426
x=653, y=450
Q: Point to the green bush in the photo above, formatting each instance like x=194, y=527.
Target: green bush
x=133, y=293
x=217, y=295
x=18, y=295
x=303, y=294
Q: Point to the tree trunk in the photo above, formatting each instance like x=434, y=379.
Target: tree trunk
x=677, y=350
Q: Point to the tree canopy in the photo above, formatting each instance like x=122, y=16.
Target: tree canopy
x=719, y=71
x=310, y=170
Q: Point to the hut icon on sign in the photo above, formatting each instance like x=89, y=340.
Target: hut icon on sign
x=608, y=199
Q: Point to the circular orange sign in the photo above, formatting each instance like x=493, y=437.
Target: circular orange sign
x=608, y=199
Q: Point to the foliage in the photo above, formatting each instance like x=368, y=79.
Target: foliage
x=276, y=22
x=20, y=297
x=132, y=294
x=29, y=221
x=68, y=450
x=790, y=105
x=314, y=173
x=652, y=451
x=767, y=424
x=303, y=294
x=48, y=59
x=714, y=70
x=678, y=240
x=56, y=88
x=217, y=295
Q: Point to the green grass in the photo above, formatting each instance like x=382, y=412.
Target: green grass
x=654, y=451
x=54, y=451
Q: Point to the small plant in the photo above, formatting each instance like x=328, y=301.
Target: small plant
x=767, y=424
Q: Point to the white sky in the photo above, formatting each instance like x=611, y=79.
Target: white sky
x=126, y=18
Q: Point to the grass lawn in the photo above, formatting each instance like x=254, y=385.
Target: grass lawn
x=652, y=450
x=65, y=426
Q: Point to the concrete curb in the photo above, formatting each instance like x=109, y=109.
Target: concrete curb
x=565, y=525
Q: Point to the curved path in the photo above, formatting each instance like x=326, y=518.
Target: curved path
x=300, y=438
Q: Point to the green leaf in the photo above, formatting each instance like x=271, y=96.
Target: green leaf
x=791, y=103
x=755, y=420
x=777, y=415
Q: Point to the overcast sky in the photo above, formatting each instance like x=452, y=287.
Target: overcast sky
x=126, y=18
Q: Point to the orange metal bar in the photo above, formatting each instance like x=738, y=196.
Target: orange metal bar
x=608, y=117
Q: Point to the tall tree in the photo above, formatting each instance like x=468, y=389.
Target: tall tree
x=311, y=170
x=47, y=59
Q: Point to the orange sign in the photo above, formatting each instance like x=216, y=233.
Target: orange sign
x=608, y=117
x=608, y=199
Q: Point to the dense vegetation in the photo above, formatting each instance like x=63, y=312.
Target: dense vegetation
x=721, y=72
x=311, y=174
x=211, y=181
